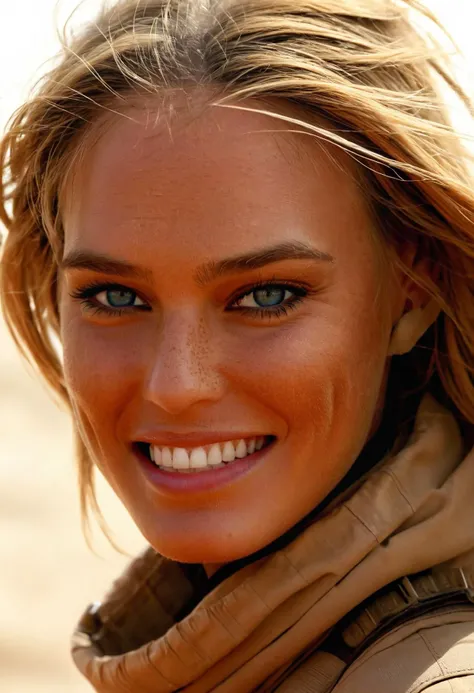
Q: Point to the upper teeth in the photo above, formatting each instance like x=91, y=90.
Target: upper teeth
x=204, y=457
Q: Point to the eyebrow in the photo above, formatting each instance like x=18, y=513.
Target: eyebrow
x=290, y=250
x=103, y=264
x=206, y=273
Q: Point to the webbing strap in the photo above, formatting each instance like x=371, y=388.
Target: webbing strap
x=405, y=599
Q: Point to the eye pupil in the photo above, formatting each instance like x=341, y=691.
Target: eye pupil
x=269, y=296
x=118, y=298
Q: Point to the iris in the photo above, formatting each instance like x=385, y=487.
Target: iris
x=120, y=298
x=271, y=296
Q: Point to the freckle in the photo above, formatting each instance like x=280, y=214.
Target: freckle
x=198, y=344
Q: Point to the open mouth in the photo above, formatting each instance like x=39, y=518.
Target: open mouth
x=202, y=458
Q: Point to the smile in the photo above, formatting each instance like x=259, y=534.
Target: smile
x=206, y=457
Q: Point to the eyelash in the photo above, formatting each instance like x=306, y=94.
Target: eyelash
x=85, y=295
x=300, y=293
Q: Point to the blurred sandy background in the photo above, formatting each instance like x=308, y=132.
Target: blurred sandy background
x=48, y=575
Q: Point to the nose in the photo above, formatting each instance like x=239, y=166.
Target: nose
x=183, y=369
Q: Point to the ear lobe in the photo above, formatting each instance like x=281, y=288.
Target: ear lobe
x=411, y=327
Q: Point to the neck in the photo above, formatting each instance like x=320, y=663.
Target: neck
x=211, y=568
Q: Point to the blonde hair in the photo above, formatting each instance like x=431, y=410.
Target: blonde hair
x=360, y=65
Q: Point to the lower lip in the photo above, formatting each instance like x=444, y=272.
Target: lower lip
x=178, y=482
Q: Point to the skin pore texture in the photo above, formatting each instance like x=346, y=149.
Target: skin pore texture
x=193, y=352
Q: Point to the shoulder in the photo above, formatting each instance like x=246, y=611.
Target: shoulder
x=433, y=653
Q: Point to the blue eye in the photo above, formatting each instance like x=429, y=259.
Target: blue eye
x=270, y=300
x=268, y=296
x=111, y=299
x=119, y=298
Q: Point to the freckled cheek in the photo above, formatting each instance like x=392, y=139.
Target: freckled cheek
x=101, y=367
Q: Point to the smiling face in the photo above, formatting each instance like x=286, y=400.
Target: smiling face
x=220, y=283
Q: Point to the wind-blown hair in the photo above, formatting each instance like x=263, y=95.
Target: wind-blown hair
x=365, y=67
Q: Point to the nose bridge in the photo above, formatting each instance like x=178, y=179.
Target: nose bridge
x=182, y=369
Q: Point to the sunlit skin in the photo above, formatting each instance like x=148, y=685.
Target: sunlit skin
x=168, y=203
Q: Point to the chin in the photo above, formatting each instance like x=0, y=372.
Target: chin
x=200, y=546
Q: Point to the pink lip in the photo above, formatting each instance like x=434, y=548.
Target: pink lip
x=177, y=483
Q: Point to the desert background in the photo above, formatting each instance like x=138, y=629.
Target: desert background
x=48, y=575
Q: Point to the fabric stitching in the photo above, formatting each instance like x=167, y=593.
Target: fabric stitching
x=374, y=654
x=130, y=593
x=356, y=666
x=295, y=569
x=402, y=625
x=431, y=648
x=361, y=522
x=202, y=655
x=152, y=663
x=259, y=597
x=218, y=618
x=400, y=489
x=430, y=680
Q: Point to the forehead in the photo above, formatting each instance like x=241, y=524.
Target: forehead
x=204, y=169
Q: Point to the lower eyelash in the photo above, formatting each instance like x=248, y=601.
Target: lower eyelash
x=99, y=309
x=277, y=311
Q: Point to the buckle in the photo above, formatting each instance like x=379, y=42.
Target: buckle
x=466, y=587
x=455, y=583
x=408, y=591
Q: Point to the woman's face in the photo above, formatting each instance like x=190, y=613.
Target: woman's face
x=221, y=283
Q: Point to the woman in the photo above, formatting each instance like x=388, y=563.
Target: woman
x=250, y=225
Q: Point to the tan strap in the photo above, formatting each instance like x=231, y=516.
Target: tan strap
x=405, y=599
x=143, y=604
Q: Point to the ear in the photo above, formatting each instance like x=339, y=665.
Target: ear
x=417, y=310
x=418, y=263
x=411, y=327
